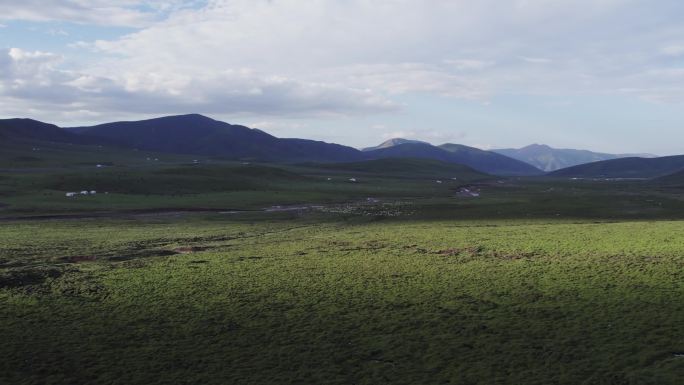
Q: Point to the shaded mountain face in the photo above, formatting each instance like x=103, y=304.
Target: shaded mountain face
x=550, y=159
x=200, y=135
x=483, y=161
x=33, y=130
x=625, y=168
x=393, y=142
x=675, y=180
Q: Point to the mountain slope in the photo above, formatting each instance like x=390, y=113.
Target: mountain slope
x=488, y=160
x=393, y=142
x=474, y=158
x=550, y=159
x=200, y=135
x=27, y=130
x=408, y=168
x=675, y=179
x=625, y=168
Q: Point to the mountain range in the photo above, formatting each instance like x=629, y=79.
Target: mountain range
x=480, y=160
x=199, y=135
x=550, y=159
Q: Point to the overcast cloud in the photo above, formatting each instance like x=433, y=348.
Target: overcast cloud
x=292, y=59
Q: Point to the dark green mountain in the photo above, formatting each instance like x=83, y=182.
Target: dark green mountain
x=550, y=159
x=483, y=161
x=625, y=168
x=200, y=135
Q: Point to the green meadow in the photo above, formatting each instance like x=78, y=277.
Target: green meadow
x=233, y=273
x=312, y=299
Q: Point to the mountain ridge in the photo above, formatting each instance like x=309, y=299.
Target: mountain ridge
x=634, y=167
x=201, y=135
x=477, y=159
x=195, y=134
x=550, y=159
x=393, y=142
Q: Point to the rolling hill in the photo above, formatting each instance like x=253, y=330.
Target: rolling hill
x=625, y=168
x=676, y=179
x=407, y=168
x=550, y=159
x=477, y=159
x=200, y=135
x=29, y=130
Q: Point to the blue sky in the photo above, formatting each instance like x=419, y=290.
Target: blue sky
x=605, y=75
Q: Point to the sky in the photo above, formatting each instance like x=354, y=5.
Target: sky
x=604, y=75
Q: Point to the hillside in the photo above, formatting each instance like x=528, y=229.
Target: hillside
x=550, y=159
x=392, y=142
x=477, y=159
x=489, y=161
x=625, y=168
x=408, y=168
x=200, y=135
x=675, y=179
x=28, y=130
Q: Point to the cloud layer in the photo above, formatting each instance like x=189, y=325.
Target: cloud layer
x=322, y=57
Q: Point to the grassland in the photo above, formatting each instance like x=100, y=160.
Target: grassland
x=186, y=273
x=291, y=299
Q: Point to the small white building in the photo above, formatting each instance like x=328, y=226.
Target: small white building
x=439, y=182
x=93, y=192
x=84, y=192
x=70, y=194
x=353, y=180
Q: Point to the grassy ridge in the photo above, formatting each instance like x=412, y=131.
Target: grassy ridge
x=311, y=301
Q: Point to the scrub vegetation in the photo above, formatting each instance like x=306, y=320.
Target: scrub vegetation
x=221, y=272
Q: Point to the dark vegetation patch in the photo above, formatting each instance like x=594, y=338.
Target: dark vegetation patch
x=472, y=250
x=25, y=159
x=198, y=262
x=192, y=249
x=479, y=251
x=19, y=277
x=79, y=258
x=135, y=254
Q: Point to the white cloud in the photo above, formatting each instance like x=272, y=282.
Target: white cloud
x=536, y=60
x=469, y=64
x=673, y=50
x=36, y=78
x=102, y=12
x=323, y=57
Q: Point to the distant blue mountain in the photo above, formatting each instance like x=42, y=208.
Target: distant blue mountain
x=480, y=160
x=550, y=159
x=200, y=135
